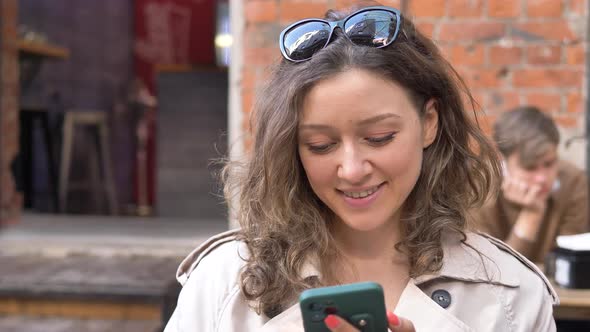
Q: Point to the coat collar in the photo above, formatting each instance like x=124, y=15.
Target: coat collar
x=476, y=260
x=473, y=260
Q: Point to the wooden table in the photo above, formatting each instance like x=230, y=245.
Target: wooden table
x=43, y=49
x=574, y=303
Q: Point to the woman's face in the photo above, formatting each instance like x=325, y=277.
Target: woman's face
x=361, y=139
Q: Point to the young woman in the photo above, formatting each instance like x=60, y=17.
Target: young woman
x=363, y=165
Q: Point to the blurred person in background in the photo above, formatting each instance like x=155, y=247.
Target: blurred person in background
x=541, y=196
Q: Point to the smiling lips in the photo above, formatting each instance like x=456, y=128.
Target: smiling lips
x=361, y=194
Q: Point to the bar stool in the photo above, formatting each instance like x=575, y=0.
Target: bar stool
x=97, y=120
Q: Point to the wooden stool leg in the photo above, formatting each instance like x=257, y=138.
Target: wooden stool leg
x=66, y=159
x=93, y=159
x=107, y=168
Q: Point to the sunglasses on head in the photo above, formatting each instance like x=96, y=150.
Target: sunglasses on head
x=371, y=26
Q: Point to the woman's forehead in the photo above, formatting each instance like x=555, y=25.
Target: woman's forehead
x=354, y=95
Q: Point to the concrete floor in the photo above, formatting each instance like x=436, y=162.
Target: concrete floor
x=57, y=235
x=94, y=257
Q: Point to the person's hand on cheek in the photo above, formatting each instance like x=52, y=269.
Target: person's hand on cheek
x=396, y=324
x=520, y=192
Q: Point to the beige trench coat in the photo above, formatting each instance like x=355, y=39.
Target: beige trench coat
x=513, y=296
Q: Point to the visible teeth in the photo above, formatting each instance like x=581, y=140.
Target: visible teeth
x=361, y=194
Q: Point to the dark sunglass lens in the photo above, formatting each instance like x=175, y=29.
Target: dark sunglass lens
x=302, y=41
x=371, y=28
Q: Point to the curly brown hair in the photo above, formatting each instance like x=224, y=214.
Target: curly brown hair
x=283, y=222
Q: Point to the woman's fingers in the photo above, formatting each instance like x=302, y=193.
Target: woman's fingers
x=399, y=324
x=396, y=324
x=337, y=324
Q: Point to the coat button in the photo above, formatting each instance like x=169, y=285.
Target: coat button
x=442, y=298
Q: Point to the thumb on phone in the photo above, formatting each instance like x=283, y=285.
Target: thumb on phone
x=399, y=324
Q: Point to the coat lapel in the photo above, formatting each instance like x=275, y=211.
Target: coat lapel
x=289, y=320
x=413, y=305
x=424, y=313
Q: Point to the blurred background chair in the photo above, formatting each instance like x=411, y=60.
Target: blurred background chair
x=101, y=173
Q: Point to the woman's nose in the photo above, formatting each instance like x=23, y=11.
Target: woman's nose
x=354, y=167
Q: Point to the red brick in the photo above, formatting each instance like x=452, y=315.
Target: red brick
x=427, y=8
x=249, y=78
x=503, y=8
x=9, y=10
x=391, y=3
x=8, y=109
x=486, y=123
x=548, y=102
x=543, y=55
x=293, y=10
x=575, y=54
x=346, y=4
x=465, y=8
x=467, y=55
x=546, y=78
x=578, y=7
x=550, y=30
x=503, y=100
x=9, y=70
x=480, y=99
x=481, y=78
x=544, y=8
x=575, y=102
x=425, y=28
x=247, y=101
x=9, y=30
x=566, y=121
x=261, y=56
x=262, y=35
x=471, y=31
x=261, y=11
x=445, y=51
x=501, y=55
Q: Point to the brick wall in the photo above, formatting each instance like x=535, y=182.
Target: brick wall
x=509, y=52
x=10, y=201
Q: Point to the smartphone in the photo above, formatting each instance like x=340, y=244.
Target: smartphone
x=361, y=304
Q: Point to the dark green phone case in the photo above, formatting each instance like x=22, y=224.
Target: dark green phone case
x=361, y=304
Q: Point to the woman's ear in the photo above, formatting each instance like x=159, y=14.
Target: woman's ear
x=430, y=123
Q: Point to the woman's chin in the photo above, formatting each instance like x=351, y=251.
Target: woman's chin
x=364, y=225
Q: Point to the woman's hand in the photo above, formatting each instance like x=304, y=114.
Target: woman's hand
x=396, y=324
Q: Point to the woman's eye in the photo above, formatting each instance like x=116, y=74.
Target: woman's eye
x=379, y=140
x=320, y=148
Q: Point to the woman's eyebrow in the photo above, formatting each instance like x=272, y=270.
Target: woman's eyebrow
x=315, y=126
x=377, y=118
x=362, y=123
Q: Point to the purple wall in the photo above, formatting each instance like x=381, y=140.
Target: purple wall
x=99, y=36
